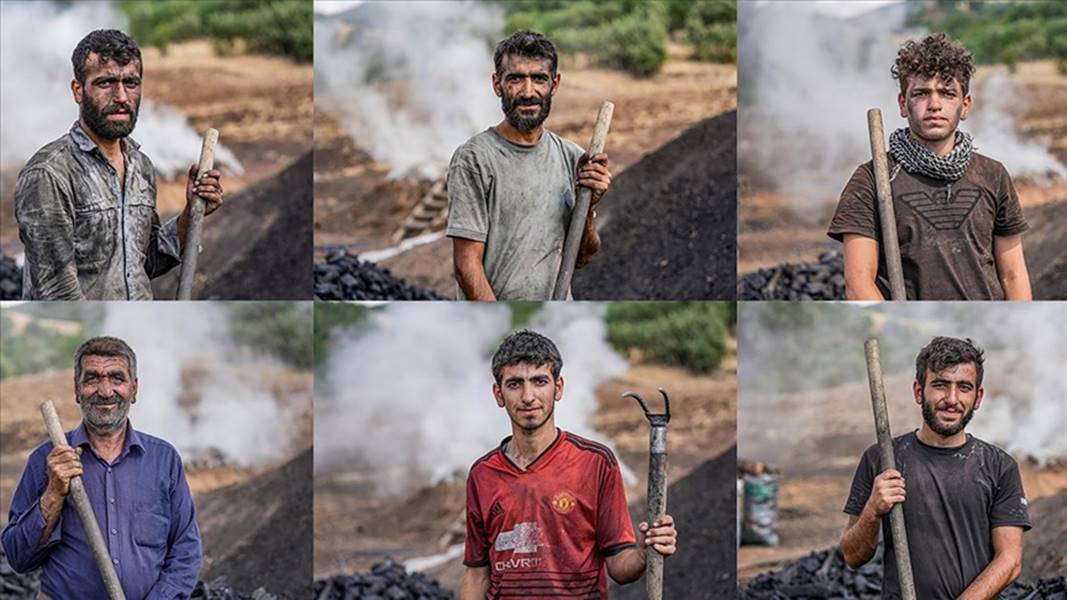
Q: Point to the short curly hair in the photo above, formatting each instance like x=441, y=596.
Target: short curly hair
x=936, y=55
x=944, y=352
x=529, y=44
x=526, y=347
x=109, y=44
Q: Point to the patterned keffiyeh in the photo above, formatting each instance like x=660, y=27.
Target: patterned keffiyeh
x=917, y=159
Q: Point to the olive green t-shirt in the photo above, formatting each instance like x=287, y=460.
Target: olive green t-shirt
x=518, y=200
x=946, y=229
x=955, y=497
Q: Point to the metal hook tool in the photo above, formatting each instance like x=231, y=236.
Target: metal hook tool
x=657, y=485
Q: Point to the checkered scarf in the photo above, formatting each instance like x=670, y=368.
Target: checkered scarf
x=917, y=159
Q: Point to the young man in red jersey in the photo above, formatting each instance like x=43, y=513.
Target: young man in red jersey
x=546, y=511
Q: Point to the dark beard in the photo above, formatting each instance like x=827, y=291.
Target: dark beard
x=931, y=420
x=509, y=106
x=96, y=119
x=524, y=427
x=104, y=427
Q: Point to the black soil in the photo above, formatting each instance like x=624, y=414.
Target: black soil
x=258, y=246
x=1043, y=246
x=704, y=506
x=670, y=227
x=258, y=534
x=10, y=278
x=387, y=580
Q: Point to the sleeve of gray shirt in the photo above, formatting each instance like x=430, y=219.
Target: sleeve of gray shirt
x=44, y=209
x=468, y=198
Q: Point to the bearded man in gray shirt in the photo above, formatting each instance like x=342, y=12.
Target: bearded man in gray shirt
x=511, y=188
x=86, y=203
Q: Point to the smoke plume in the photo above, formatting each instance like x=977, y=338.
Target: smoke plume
x=409, y=80
x=192, y=392
x=36, y=105
x=410, y=391
x=807, y=80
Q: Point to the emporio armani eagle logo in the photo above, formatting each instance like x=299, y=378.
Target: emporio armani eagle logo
x=941, y=211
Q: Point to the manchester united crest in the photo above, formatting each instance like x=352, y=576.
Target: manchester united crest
x=563, y=502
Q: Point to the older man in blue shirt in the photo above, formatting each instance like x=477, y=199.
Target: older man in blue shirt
x=135, y=483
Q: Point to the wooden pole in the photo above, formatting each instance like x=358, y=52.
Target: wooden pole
x=84, y=509
x=885, y=444
x=191, y=249
x=584, y=199
x=886, y=214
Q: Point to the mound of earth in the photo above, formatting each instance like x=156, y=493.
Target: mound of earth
x=820, y=280
x=1045, y=546
x=258, y=246
x=1044, y=246
x=345, y=277
x=670, y=222
x=257, y=534
x=704, y=505
x=386, y=580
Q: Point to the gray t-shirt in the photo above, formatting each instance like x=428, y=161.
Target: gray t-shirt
x=956, y=496
x=518, y=200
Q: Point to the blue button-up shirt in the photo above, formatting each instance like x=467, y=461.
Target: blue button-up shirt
x=145, y=512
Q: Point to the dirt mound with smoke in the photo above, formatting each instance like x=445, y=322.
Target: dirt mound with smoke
x=258, y=246
x=1044, y=244
x=345, y=277
x=825, y=575
x=704, y=505
x=820, y=280
x=256, y=534
x=387, y=579
x=1045, y=547
x=10, y=278
x=670, y=228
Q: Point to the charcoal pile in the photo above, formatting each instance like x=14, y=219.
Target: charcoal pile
x=217, y=590
x=345, y=277
x=820, y=280
x=17, y=586
x=670, y=222
x=387, y=580
x=10, y=279
x=825, y=575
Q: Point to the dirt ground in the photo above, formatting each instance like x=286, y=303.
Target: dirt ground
x=773, y=229
x=356, y=207
x=817, y=438
x=353, y=529
x=262, y=107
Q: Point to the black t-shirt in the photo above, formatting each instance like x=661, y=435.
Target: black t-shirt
x=955, y=497
x=945, y=230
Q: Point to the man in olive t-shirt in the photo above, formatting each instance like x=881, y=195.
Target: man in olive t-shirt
x=958, y=219
x=964, y=506
x=511, y=188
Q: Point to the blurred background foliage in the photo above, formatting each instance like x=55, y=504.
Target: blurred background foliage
x=279, y=27
x=1002, y=32
x=692, y=335
x=630, y=35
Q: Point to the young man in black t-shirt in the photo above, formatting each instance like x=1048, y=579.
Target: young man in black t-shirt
x=964, y=506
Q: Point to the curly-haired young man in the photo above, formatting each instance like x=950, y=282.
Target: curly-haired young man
x=511, y=188
x=959, y=221
x=86, y=202
x=546, y=511
x=964, y=506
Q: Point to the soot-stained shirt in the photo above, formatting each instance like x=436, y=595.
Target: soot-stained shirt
x=517, y=199
x=87, y=235
x=945, y=230
x=545, y=532
x=956, y=496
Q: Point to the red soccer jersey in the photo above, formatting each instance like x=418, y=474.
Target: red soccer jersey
x=544, y=532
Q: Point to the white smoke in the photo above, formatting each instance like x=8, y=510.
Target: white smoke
x=409, y=80
x=807, y=80
x=235, y=415
x=410, y=391
x=36, y=105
